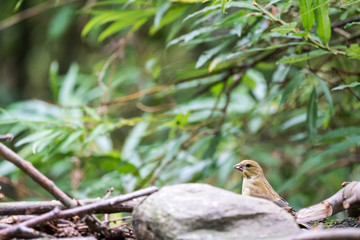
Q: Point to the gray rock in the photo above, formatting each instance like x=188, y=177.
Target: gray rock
x=203, y=212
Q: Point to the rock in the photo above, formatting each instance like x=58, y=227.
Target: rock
x=203, y=212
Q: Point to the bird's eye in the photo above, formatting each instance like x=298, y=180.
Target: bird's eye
x=248, y=165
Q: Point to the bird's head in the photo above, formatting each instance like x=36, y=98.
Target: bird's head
x=249, y=168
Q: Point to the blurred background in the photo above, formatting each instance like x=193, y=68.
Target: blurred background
x=127, y=94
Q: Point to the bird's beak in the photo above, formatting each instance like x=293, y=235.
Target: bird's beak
x=239, y=167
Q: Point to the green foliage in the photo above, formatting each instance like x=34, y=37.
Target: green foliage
x=185, y=89
x=322, y=20
x=307, y=13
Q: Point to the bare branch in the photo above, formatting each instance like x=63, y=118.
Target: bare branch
x=40, y=207
x=8, y=232
x=36, y=175
x=7, y=137
x=330, y=234
x=347, y=198
x=348, y=88
x=81, y=210
x=31, y=12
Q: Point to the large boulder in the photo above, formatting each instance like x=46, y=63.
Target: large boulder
x=203, y=212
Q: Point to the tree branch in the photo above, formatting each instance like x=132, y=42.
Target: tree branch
x=36, y=175
x=346, y=198
x=40, y=207
x=80, y=210
x=330, y=234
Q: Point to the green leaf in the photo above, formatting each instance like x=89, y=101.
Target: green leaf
x=327, y=94
x=348, y=25
x=307, y=14
x=34, y=136
x=280, y=73
x=340, y=133
x=202, y=11
x=169, y=17
x=294, y=58
x=311, y=117
x=223, y=5
x=341, y=146
x=353, y=51
x=54, y=80
x=68, y=85
x=132, y=141
x=160, y=13
x=61, y=21
x=210, y=53
x=343, y=86
x=18, y=5
x=291, y=86
x=187, y=37
x=127, y=19
x=286, y=28
x=322, y=19
x=99, y=20
x=212, y=146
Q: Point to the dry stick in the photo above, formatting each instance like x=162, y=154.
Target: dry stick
x=31, y=12
x=5, y=233
x=342, y=200
x=330, y=234
x=40, y=207
x=36, y=175
x=7, y=137
x=57, y=213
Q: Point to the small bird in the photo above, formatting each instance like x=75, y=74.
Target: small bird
x=256, y=185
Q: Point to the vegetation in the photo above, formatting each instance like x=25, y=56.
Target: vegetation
x=126, y=94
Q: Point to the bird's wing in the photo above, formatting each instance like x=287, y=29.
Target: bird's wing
x=285, y=205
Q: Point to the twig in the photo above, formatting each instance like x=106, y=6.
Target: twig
x=308, y=37
x=330, y=234
x=16, y=218
x=109, y=191
x=21, y=208
x=7, y=137
x=31, y=12
x=81, y=210
x=348, y=88
x=340, y=201
x=8, y=232
x=36, y=175
x=345, y=21
x=22, y=188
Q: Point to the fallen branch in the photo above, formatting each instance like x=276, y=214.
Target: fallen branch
x=37, y=176
x=330, y=234
x=80, y=210
x=7, y=137
x=14, y=230
x=40, y=207
x=348, y=198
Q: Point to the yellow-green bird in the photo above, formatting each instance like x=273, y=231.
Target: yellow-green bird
x=256, y=185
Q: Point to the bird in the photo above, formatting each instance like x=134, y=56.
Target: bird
x=256, y=185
